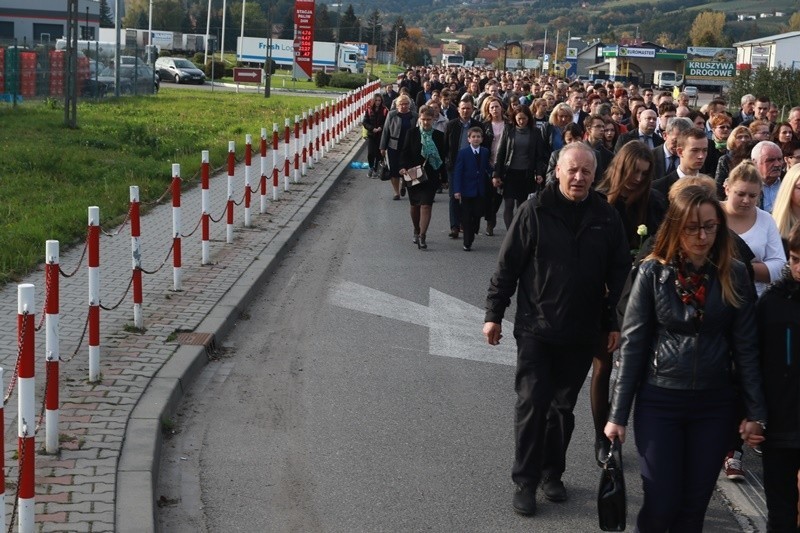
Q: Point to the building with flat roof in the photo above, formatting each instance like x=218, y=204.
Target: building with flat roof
x=772, y=51
x=45, y=20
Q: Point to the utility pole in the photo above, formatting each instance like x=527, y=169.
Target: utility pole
x=222, y=44
x=150, y=35
x=208, y=30
x=268, y=58
x=70, y=103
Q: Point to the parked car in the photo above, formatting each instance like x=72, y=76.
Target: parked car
x=690, y=91
x=139, y=79
x=179, y=70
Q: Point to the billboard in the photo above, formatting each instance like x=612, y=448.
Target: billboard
x=303, y=38
x=710, y=66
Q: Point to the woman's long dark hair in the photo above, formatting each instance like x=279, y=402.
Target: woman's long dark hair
x=617, y=175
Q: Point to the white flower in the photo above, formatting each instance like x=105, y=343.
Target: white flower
x=641, y=230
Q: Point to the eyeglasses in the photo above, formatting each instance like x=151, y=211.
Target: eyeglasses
x=724, y=127
x=709, y=229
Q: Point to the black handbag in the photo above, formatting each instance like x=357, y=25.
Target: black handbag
x=611, y=500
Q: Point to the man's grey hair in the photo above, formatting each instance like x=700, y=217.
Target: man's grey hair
x=758, y=150
x=579, y=146
x=677, y=125
x=748, y=98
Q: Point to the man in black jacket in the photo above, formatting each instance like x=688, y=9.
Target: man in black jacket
x=568, y=252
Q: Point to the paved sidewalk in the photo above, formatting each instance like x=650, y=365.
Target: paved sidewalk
x=110, y=432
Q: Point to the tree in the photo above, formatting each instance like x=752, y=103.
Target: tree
x=794, y=22
x=255, y=21
x=323, y=27
x=349, y=26
x=397, y=33
x=409, y=53
x=374, y=30
x=106, y=21
x=707, y=29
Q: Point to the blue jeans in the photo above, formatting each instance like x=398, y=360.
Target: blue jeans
x=682, y=437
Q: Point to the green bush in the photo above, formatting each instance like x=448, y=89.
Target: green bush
x=348, y=80
x=322, y=78
x=219, y=69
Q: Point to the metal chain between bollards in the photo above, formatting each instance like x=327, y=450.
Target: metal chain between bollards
x=194, y=230
x=122, y=299
x=220, y=217
x=121, y=227
x=47, y=372
x=19, y=485
x=47, y=285
x=164, y=262
x=80, y=261
x=80, y=342
x=13, y=382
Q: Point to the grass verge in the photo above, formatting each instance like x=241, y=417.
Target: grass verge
x=50, y=174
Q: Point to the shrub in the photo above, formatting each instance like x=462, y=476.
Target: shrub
x=219, y=69
x=321, y=78
x=348, y=80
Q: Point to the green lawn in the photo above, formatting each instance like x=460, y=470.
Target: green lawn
x=49, y=174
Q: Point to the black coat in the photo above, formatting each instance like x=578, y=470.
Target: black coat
x=411, y=154
x=778, y=318
x=538, y=153
x=663, y=345
x=567, y=279
x=663, y=185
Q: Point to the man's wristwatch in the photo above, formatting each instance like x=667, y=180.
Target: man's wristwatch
x=762, y=424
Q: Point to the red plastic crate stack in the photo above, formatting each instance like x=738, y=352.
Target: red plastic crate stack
x=27, y=74
x=83, y=70
x=57, y=58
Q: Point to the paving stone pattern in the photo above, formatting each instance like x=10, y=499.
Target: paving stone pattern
x=77, y=486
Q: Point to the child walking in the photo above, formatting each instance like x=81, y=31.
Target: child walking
x=470, y=174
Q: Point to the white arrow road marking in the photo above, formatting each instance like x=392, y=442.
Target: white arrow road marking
x=455, y=326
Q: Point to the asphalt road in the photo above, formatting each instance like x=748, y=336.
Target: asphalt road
x=345, y=399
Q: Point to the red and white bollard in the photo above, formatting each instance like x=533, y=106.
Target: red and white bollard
x=176, y=227
x=231, y=168
x=26, y=417
x=263, y=180
x=94, y=293
x=304, y=162
x=205, y=206
x=136, y=258
x=51, y=343
x=316, y=135
x=275, y=170
x=296, y=148
x=248, y=160
x=287, y=136
x=323, y=129
x=2, y=458
x=310, y=138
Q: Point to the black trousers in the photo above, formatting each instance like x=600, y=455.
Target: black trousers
x=780, y=486
x=373, y=150
x=682, y=437
x=548, y=380
x=471, y=209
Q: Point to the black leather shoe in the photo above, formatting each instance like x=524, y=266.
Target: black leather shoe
x=454, y=233
x=467, y=248
x=524, y=501
x=422, y=244
x=554, y=490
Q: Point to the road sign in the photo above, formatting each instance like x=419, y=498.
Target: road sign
x=241, y=74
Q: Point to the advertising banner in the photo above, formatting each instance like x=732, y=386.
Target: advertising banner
x=710, y=66
x=303, y=38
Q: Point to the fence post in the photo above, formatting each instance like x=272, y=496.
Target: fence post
x=136, y=258
x=310, y=138
x=296, y=148
x=274, y=161
x=51, y=342
x=231, y=167
x=176, y=227
x=304, y=144
x=263, y=180
x=248, y=161
x=94, y=293
x=287, y=134
x=204, y=206
x=26, y=422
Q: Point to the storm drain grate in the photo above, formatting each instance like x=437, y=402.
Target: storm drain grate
x=196, y=339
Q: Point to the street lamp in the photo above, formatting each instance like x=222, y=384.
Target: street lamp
x=336, y=42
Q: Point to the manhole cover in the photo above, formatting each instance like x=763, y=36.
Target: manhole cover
x=196, y=339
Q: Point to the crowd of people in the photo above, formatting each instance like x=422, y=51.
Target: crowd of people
x=636, y=225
